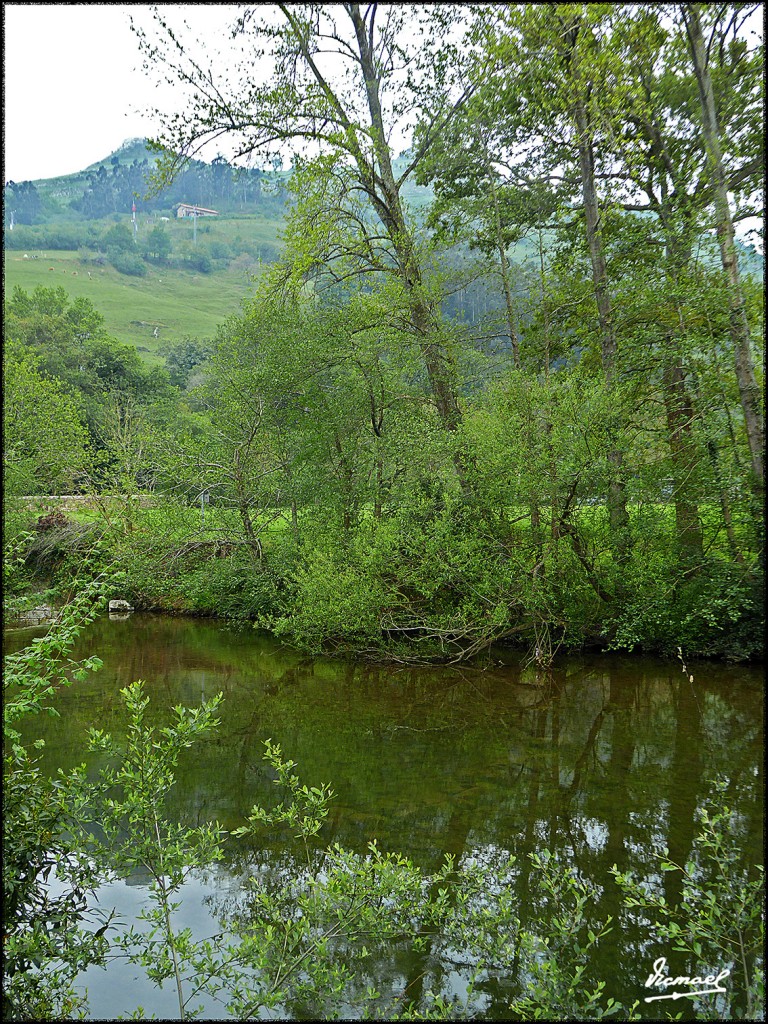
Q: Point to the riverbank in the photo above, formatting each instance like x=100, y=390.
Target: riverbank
x=427, y=585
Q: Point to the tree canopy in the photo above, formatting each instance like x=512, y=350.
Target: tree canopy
x=526, y=406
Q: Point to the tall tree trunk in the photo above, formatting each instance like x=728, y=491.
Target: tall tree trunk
x=377, y=425
x=384, y=194
x=244, y=509
x=749, y=392
x=678, y=403
x=502, y=251
x=618, y=516
x=713, y=452
x=537, y=532
x=679, y=419
x=725, y=505
x=617, y=503
x=608, y=345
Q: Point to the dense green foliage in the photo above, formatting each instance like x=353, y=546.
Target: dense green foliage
x=392, y=466
x=529, y=411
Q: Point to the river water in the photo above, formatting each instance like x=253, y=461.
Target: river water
x=600, y=761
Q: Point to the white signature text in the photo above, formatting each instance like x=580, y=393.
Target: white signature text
x=696, y=986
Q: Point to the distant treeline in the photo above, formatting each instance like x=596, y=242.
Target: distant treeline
x=93, y=239
x=115, y=187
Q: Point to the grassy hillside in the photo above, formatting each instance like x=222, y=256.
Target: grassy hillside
x=175, y=302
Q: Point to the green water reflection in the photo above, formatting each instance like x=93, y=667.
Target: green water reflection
x=599, y=761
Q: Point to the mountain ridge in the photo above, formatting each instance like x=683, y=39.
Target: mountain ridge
x=40, y=200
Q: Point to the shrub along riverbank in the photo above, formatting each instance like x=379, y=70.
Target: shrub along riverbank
x=434, y=581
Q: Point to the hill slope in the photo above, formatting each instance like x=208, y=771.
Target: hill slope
x=164, y=306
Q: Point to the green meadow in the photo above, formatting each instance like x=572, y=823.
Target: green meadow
x=169, y=303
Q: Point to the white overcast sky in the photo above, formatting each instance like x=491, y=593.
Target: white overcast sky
x=73, y=87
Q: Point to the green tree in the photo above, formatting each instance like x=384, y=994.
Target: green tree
x=693, y=16
x=68, y=339
x=183, y=357
x=45, y=441
x=351, y=120
x=24, y=200
x=118, y=239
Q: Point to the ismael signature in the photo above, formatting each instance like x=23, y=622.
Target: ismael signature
x=696, y=986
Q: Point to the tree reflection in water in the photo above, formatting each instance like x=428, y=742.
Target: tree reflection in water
x=598, y=761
